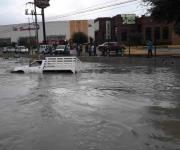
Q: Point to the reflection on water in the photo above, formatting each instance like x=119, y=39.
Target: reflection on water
x=105, y=107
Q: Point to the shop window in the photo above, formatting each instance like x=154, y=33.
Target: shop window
x=165, y=33
x=116, y=31
x=148, y=33
x=157, y=33
x=124, y=36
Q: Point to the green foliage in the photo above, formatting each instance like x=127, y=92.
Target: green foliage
x=79, y=37
x=5, y=42
x=165, y=10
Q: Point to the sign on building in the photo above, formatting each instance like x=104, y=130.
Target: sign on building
x=42, y=3
x=108, y=30
x=129, y=18
x=96, y=26
x=25, y=27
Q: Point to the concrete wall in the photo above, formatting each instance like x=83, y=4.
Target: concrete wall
x=85, y=26
x=91, y=28
x=55, y=28
x=78, y=26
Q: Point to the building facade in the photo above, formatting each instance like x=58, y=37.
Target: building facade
x=101, y=30
x=131, y=29
x=58, y=30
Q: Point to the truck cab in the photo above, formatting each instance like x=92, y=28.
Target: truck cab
x=34, y=67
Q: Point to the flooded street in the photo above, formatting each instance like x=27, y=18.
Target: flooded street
x=105, y=107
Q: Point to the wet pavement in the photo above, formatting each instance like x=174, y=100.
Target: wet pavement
x=105, y=107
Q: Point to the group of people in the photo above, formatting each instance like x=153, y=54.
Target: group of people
x=90, y=49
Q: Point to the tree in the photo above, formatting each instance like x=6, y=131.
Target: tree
x=79, y=37
x=5, y=42
x=166, y=10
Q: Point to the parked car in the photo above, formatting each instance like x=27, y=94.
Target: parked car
x=46, y=49
x=62, y=49
x=111, y=48
x=22, y=49
x=8, y=49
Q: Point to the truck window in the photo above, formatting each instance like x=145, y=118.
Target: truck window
x=36, y=63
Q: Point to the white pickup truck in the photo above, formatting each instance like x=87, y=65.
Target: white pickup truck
x=51, y=64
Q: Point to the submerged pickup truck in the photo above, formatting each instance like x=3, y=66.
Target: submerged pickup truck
x=51, y=64
x=34, y=67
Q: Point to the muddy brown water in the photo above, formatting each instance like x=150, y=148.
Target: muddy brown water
x=105, y=107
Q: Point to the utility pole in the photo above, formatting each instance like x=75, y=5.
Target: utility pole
x=29, y=28
x=42, y=5
x=44, y=26
x=34, y=12
x=36, y=25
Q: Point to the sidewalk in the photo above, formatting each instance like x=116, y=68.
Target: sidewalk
x=142, y=51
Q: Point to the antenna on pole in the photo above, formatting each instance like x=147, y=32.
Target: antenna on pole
x=34, y=12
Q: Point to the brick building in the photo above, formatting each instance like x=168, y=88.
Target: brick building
x=138, y=31
x=121, y=31
x=101, y=28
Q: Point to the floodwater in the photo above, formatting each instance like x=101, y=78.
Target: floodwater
x=105, y=107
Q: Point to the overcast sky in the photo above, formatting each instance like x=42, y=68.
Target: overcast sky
x=12, y=11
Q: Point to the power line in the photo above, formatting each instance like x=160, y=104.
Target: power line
x=86, y=9
x=93, y=9
x=132, y=11
x=107, y=9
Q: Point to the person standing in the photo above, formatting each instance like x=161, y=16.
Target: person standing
x=94, y=49
x=86, y=49
x=150, y=48
x=78, y=49
x=89, y=50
